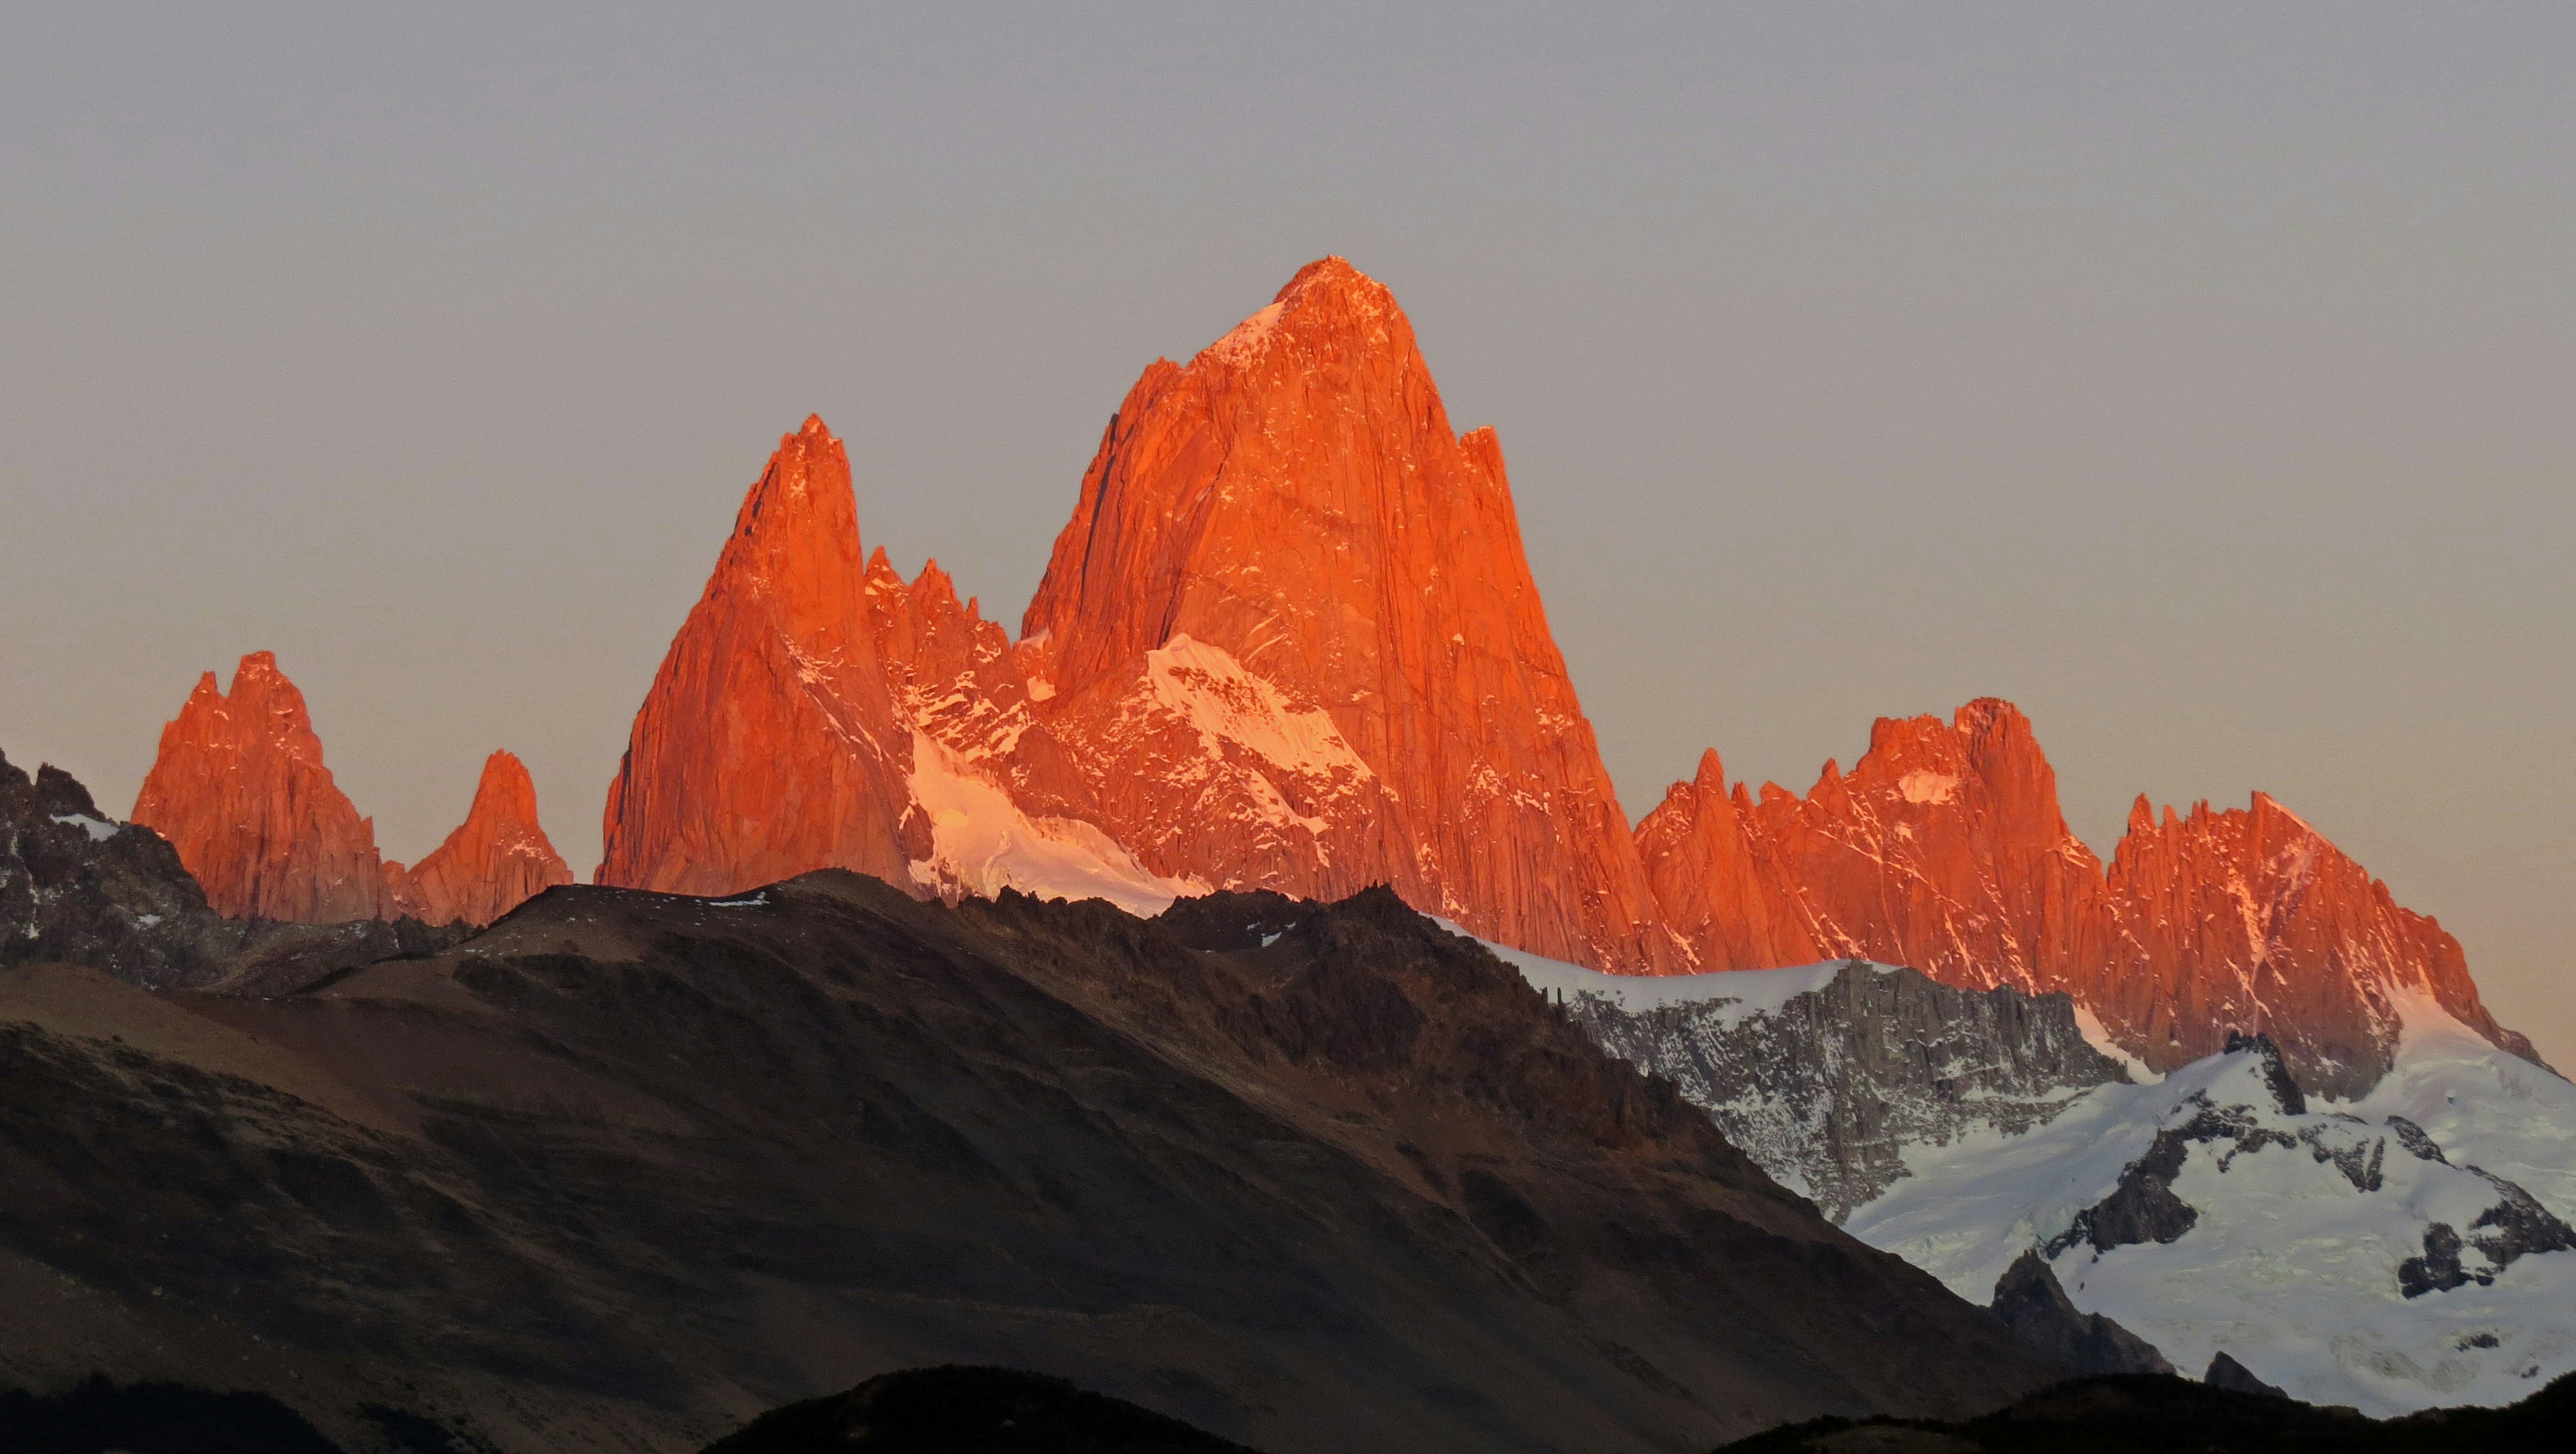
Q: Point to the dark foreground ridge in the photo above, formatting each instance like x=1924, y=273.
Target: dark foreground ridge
x=2158, y=1414
x=95, y=1415
x=628, y=1168
x=968, y=1411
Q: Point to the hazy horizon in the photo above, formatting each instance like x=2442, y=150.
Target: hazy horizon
x=2197, y=381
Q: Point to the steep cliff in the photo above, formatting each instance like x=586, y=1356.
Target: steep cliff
x=1726, y=903
x=1292, y=640
x=240, y=791
x=1944, y=849
x=496, y=860
x=768, y=744
x=2249, y=920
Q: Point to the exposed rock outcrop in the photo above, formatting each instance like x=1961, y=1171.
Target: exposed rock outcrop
x=240, y=791
x=1830, y=1085
x=952, y=676
x=1944, y=848
x=1718, y=893
x=1292, y=640
x=76, y=885
x=2250, y=920
x=496, y=860
x=2338, y=1245
x=81, y=888
x=2226, y=1372
x=2035, y=1307
x=768, y=744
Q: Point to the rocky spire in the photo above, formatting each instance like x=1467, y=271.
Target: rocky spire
x=497, y=859
x=767, y=745
x=1291, y=636
x=239, y=789
x=1719, y=899
x=1942, y=848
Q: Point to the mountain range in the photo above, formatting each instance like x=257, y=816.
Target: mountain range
x=627, y=1167
x=2390, y=1252
x=1289, y=640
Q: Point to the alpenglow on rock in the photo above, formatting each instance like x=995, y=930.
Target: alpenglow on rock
x=1291, y=638
x=240, y=790
x=768, y=745
x=496, y=860
x=1944, y=848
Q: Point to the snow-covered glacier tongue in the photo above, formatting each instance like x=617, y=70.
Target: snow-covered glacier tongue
x=2402, y=1251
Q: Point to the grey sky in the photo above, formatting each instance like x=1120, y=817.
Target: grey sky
x=2197, y=377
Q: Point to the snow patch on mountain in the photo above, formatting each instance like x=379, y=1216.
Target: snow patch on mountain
x=2350, y=1258
x=981, y=843
x=2483, y=1106
x=2098, y=1035
x=1205, y=686
x=2405, y=1250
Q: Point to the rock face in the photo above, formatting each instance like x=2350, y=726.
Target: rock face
x=78, y=886
x=768, y=744
x=1828, y=1075
x=1944, y=849
x=2226, y=1372
x=2407, y=1249
x=1291, y=638
x=2032, y=1303
x=2339, y=1251
x=2250, y=920
x=81, y=888
x=952, y=676
x=496, y=860
x=240, y=790
x=1728, y=908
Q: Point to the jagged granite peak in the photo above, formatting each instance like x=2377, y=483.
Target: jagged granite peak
x=767, y=744
x=496, y=860
x=2032, y=1303
x=2250, y=920
x=953, y=677
x=1291, y=636
x=240, y=790
x=1720, y=899
x=1944, y=848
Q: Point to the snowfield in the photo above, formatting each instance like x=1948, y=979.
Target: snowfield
x=981, y=843
x=2402, y=1251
